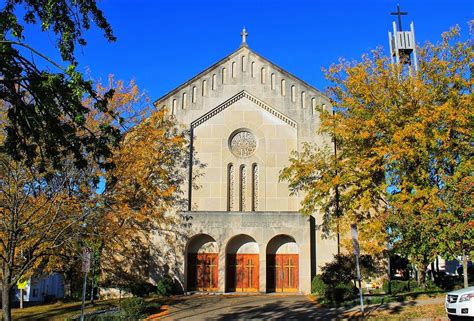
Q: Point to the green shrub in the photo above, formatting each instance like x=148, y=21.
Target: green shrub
x=318, y=286
x=164, y=286
x=340, y=292
x=398, y=286
x=141, y=289
x=133, y=308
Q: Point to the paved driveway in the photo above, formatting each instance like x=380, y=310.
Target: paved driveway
x=245, y=307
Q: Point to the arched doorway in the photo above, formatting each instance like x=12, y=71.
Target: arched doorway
x=202, y=263
x=282, y=264
x=242, y=264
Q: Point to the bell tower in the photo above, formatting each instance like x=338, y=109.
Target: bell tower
x=402, y=43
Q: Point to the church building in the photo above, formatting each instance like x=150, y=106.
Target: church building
x=243, y=231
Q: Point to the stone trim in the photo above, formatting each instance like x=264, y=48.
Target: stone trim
x=237, y=97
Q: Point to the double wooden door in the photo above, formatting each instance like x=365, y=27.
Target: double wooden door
x=282, y=272
x=203, y=271
x=242, y=272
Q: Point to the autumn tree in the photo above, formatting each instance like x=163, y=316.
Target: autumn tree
x=41, y=216
x=143, y=190
x=404, y=139
x=141, y=202
x=46, y=117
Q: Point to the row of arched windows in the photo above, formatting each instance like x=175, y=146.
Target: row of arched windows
x=243, y=185
x=262, y=73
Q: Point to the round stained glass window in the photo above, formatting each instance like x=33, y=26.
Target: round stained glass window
x=242, y=143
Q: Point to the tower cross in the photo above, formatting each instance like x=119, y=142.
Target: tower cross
x=244, y=35
x=399, y=14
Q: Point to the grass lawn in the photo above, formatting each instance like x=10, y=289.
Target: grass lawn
x=63, y=311
x=59, y=310
x=404, y=312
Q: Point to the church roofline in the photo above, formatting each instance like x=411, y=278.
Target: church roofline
x=227, y=58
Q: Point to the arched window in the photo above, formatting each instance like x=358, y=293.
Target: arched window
x=313, y=105
x=252, y=69
x=174, y=106
x=263, y=75
x=230, y=187
x=242, y=187
x=283, y=87
x=214, y=82
x=184, y=101
x=254, y=187
x=234, y=69
x=244, y=63
x=303, y=99
x=272, y=80
x=293, y=93
x=194, y=94
x=224, y=75
x=204, y=88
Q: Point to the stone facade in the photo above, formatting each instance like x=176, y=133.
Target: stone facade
x=243, y=231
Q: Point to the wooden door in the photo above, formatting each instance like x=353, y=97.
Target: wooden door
x=283, y=268
x=203, y=271
x=242, y=271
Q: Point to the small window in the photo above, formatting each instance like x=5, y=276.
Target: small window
x=272, y=80
x=263, y=75
x=283, y=87
x=224, y=75
x=230, y=187
x=254, y=187
x=174, y=107
x=194, y=94
x=184, y=101
x=234, y=71
x=214, y=82
x=313, y=105
x=204, y=88
x=293, y=93
x=252, y=69
x=303, y=99
x=244, y=63
x=242, y=187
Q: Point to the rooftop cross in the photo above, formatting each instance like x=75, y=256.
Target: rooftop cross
x=244, y=35
x=399, y=14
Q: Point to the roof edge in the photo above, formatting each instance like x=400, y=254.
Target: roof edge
x=227, y=58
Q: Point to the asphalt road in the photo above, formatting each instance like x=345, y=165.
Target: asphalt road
x=248, y=307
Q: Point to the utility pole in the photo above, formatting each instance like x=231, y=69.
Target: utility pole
x=355, y=243
x=86, y=266
x=337, y=190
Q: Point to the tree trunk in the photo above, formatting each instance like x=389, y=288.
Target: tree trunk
x=422, y=275
x=464, y=269
x=6, y=300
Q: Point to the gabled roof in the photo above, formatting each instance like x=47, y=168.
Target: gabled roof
x=243, y=94
x=227, y=58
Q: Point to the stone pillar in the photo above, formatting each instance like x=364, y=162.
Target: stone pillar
x=222, y=267
x=262, y=273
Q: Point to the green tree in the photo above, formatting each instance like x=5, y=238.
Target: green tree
x=46, y=117
x=405, y=143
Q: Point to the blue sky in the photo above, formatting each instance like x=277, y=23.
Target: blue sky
x=161, y=44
